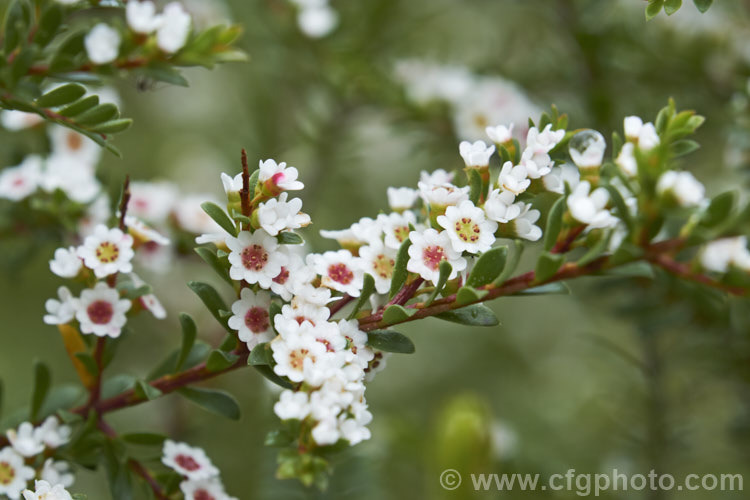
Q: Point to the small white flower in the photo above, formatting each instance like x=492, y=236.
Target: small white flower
x=513, y=179
x=442, y=195
x=152, y=201
x=174, y=29
x=468, y=228
x=718, y=255
x=255, y=257
x=626, y=160
x=281, y=285
x=96, y=213
x=317, y=21
x=53, y=434
x=101, y=311
x=17, y=183
x=536, y=165
x=292, y=405
x=73, y=177
x=587, y=148
x=69, y=144
x=67, y=263
x=304, y=291
x=326, y=432
x=632, y=126
x=339, y=271
x=357, y=339
x=476, y=154
x=207, y=489
x=192, y=218
x=379, y=261
x=45, y=491
x=435, y=178
x=251, y=317
x=14, y=474
x=648, y=139
x=499, y=206
x=428, y=250
x=403, y=198
x=142, y=17
x=149, y=301
x=14, y=120
x=143, y=233
x=561, y=175
x=500, y=134
x=232, y=184
x=589, y=208
x=541, y=143
x=278, y=177
x=60, y=312
x=188, y=461
x=682, y=186
x=297, y=355
x=367, y=229
x=57, y=473
x=278, y=214
x=107, y=251
x=294, y=315
x=102, y=44
x=26, y=440
x=524, y=225
x=396, y=228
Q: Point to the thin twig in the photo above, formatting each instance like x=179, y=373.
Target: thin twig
x=245, y=193
x=124, y=200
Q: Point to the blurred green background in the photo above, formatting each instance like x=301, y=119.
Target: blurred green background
x=622, y=374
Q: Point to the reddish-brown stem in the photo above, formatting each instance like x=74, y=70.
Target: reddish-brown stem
x=43, y=69
x=564, y=244
x=124, y=202
x=406, y=292
x=95, y=389
x=245, y=193
x=683, y=271
x=339, y=304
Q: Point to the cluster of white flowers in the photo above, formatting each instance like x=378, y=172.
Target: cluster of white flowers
x=316, y=18
x=201, y=478
x=171, y=29
x=30, y=457
x=476, y=101
x=720, y=255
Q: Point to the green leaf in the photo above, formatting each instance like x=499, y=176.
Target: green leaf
x=719, y=209
x=390, y=341
x=622, y=208
x=473, y=315
x=488, y=267
x=219, y=360
x=445, y=269
x=271, y=375
x=220, y=216
x=475, y=184
x=399, y=270
x=212, y=300
x=554, y=223
x=653, y=8
x=80, y=106
x=220, y=266
x=683, y=147
x=672, y=6
x=703, y=5
x=146, y=390
x=289, y=238
x=397, y=314
x=468, y=294
x=16, y=22
x=113, y=126
x=65, y=94
x=638, y=269
x=368, y=287
x=555, y=288
x=547, y=266
x=88, y=362
x=144, y=438
x=515, y=258
x=260, y=355
x=163, y=72
x=49, y=22
x=218, y=402
x=41, y=386
x=596, y=250
x=98, y=114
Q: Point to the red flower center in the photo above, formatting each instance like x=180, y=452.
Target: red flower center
x=432, y=256
x=187, y=462
x=100, y=312
x=282, y=277
x=203, y=495
x=107, y=252
x=254, y=257
x=256, y=319
x=340, y=273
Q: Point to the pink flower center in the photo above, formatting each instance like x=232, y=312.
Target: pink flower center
x=383, y=266
x=256, y=319
x=297, y=358
x=100, y=312
x=254, y=257
x=340, y=273
x=277, y=179
x=19, y=181
x=203, y=495
x=467, y=230
x=7, y=473
x=282, y=277
x=432, y=256
x=187, y=462
x=107, y=252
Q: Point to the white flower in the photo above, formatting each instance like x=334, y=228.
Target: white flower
x=357, y=339
x=72, y=176
x=102, y=44
x=587, y=148
x=296, y=356
x=101, y=311
x=682, y=186
x=143, y=233
x=589, y=208
x=232, y=184
x=524, y=225
x=632, y=126
x=561, y=175
x=25, y=440
x=326, y=432
x=142, y=17
x=476, y=154
x=14, y=120
x=152, y=201
x=278, y=177
x=367, y=230
x=192, y=218
x=499, y=206
x=149, y=301
x=276, y=215
x=403, y=198
x=718, y=255
x=626, y=160
x=207, y=489
x=427, y=82
x=379, y=261
x=60, y=312
x=339, y=271
x=282, y=283
x=539, y=144
x=513, y=179
x=537, y=165
x=428, y=250
x=173, y=32
x=500, y=134
x=70, y=144
x=293, y=315
x=396, y=228
x=437, y=177
x=317, y=21
x=52, y=434
x=255, y=257
x=16, y=183
x=96, y=213
x=188, y=461
x=468, y=228
x=57, y=473
x=66, y=263
x=107, y=251
x=292, y=405
x=648, y=139
x=45, y=491
x=251, y=319
x=14, y=474
x=442, y=195
x=303, y=290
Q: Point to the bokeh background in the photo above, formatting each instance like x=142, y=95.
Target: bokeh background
x=628, y=374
